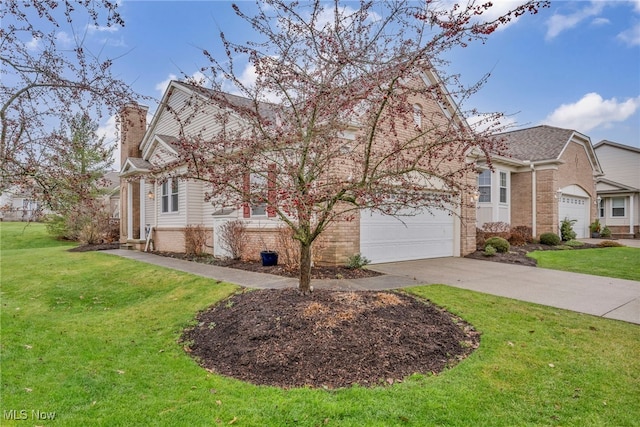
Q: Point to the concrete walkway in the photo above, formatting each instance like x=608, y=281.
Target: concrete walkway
x=599, y=296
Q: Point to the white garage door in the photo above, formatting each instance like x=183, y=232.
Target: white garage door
x=576, y=208
x=384, y=238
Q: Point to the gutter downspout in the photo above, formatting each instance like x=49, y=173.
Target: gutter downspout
x=534, y=218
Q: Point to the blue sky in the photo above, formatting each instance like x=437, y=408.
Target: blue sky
x=575, y=65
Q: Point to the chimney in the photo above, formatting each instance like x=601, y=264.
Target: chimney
x=133, y=124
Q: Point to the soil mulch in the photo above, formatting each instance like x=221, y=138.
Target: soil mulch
x=96, y=247
x=518, y=254
x=317, y=272
x=328, y=339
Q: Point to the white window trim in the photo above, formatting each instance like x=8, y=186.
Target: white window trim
x=487, y=171
x=166, y=191
x=506, y=187
x=624, y=207
x=257, y=179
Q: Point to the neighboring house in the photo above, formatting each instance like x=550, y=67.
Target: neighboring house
x=170, y=206
x=619, y=189
x=111, y=200
x=548, y=174
x=17, y=205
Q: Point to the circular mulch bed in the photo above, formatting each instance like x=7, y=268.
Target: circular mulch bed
x=327, y=339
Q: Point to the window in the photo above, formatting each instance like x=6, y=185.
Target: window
x=170, y=196
x=617, y=206
x=503, y=187
x=484, y=186
x=258, y=187
x=601, y=208
x=417, y=116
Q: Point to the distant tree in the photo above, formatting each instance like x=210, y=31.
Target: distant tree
x=47, y=75
x=71, y=176
x=330, y=125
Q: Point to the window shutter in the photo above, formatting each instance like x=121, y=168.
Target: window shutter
x=246, y=209
x=271, y=190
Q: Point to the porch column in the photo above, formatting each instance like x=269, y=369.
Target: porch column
x=143, y=203
x=631, y=214
x=129, y=210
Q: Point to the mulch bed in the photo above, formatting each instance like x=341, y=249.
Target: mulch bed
x=328, y=339
x=518, y=254
x=337, y=272
x=96, y=247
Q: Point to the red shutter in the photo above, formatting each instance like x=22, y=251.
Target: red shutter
x=246, y=209
x=271, y=190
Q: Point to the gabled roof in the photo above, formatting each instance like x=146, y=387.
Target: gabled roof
x=604, y=142
x=546, y=143
x=536, y=143
x=618, y=187
x=135, y=165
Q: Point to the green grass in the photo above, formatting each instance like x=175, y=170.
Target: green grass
x=94, y=338
x=621, y=263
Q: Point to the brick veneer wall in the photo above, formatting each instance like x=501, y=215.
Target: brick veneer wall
x=577, y=170
x=172, y=240
x=521, y=191
x=546, y=201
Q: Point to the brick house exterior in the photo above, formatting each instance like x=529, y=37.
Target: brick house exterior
x=145, y=204
x=550, y=174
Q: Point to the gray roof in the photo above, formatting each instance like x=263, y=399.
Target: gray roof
x=139, y=163
x=536, y=143
x=265, y=109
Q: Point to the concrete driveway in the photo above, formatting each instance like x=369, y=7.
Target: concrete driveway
x=600, y=296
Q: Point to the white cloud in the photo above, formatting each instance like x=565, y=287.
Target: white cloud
x=64, y=40
x=33, y=44
x=92, y=29
x=631, y=36
x=592, y=111
x=162, y=86
x=559, y=23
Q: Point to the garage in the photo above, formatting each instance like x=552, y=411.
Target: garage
x=575, y=208
x=384, y=238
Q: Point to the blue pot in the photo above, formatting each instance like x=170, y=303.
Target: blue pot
x=269, y=258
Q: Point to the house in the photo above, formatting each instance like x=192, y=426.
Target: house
x=619, y=189
x=167, y=207
x=546, y=174
x=19, y=205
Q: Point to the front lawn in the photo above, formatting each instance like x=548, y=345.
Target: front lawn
x=92, y=339
x=621, y=263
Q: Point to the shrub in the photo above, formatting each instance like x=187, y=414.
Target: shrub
x=480, y=238
x=574, y=243
x=496, y=229
x=609, y=244
x=550, y=239
x=357, y=261
x=606, y=233
x=195, y=237
x=521, y=235
x=288, y=248
x=566, y=229
x=233, y=238
x=501, y=245
x=489, y=251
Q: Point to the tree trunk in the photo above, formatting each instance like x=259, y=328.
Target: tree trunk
x=305, y=269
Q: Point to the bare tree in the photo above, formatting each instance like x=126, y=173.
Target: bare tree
x=333, y=122
x=48, y=74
